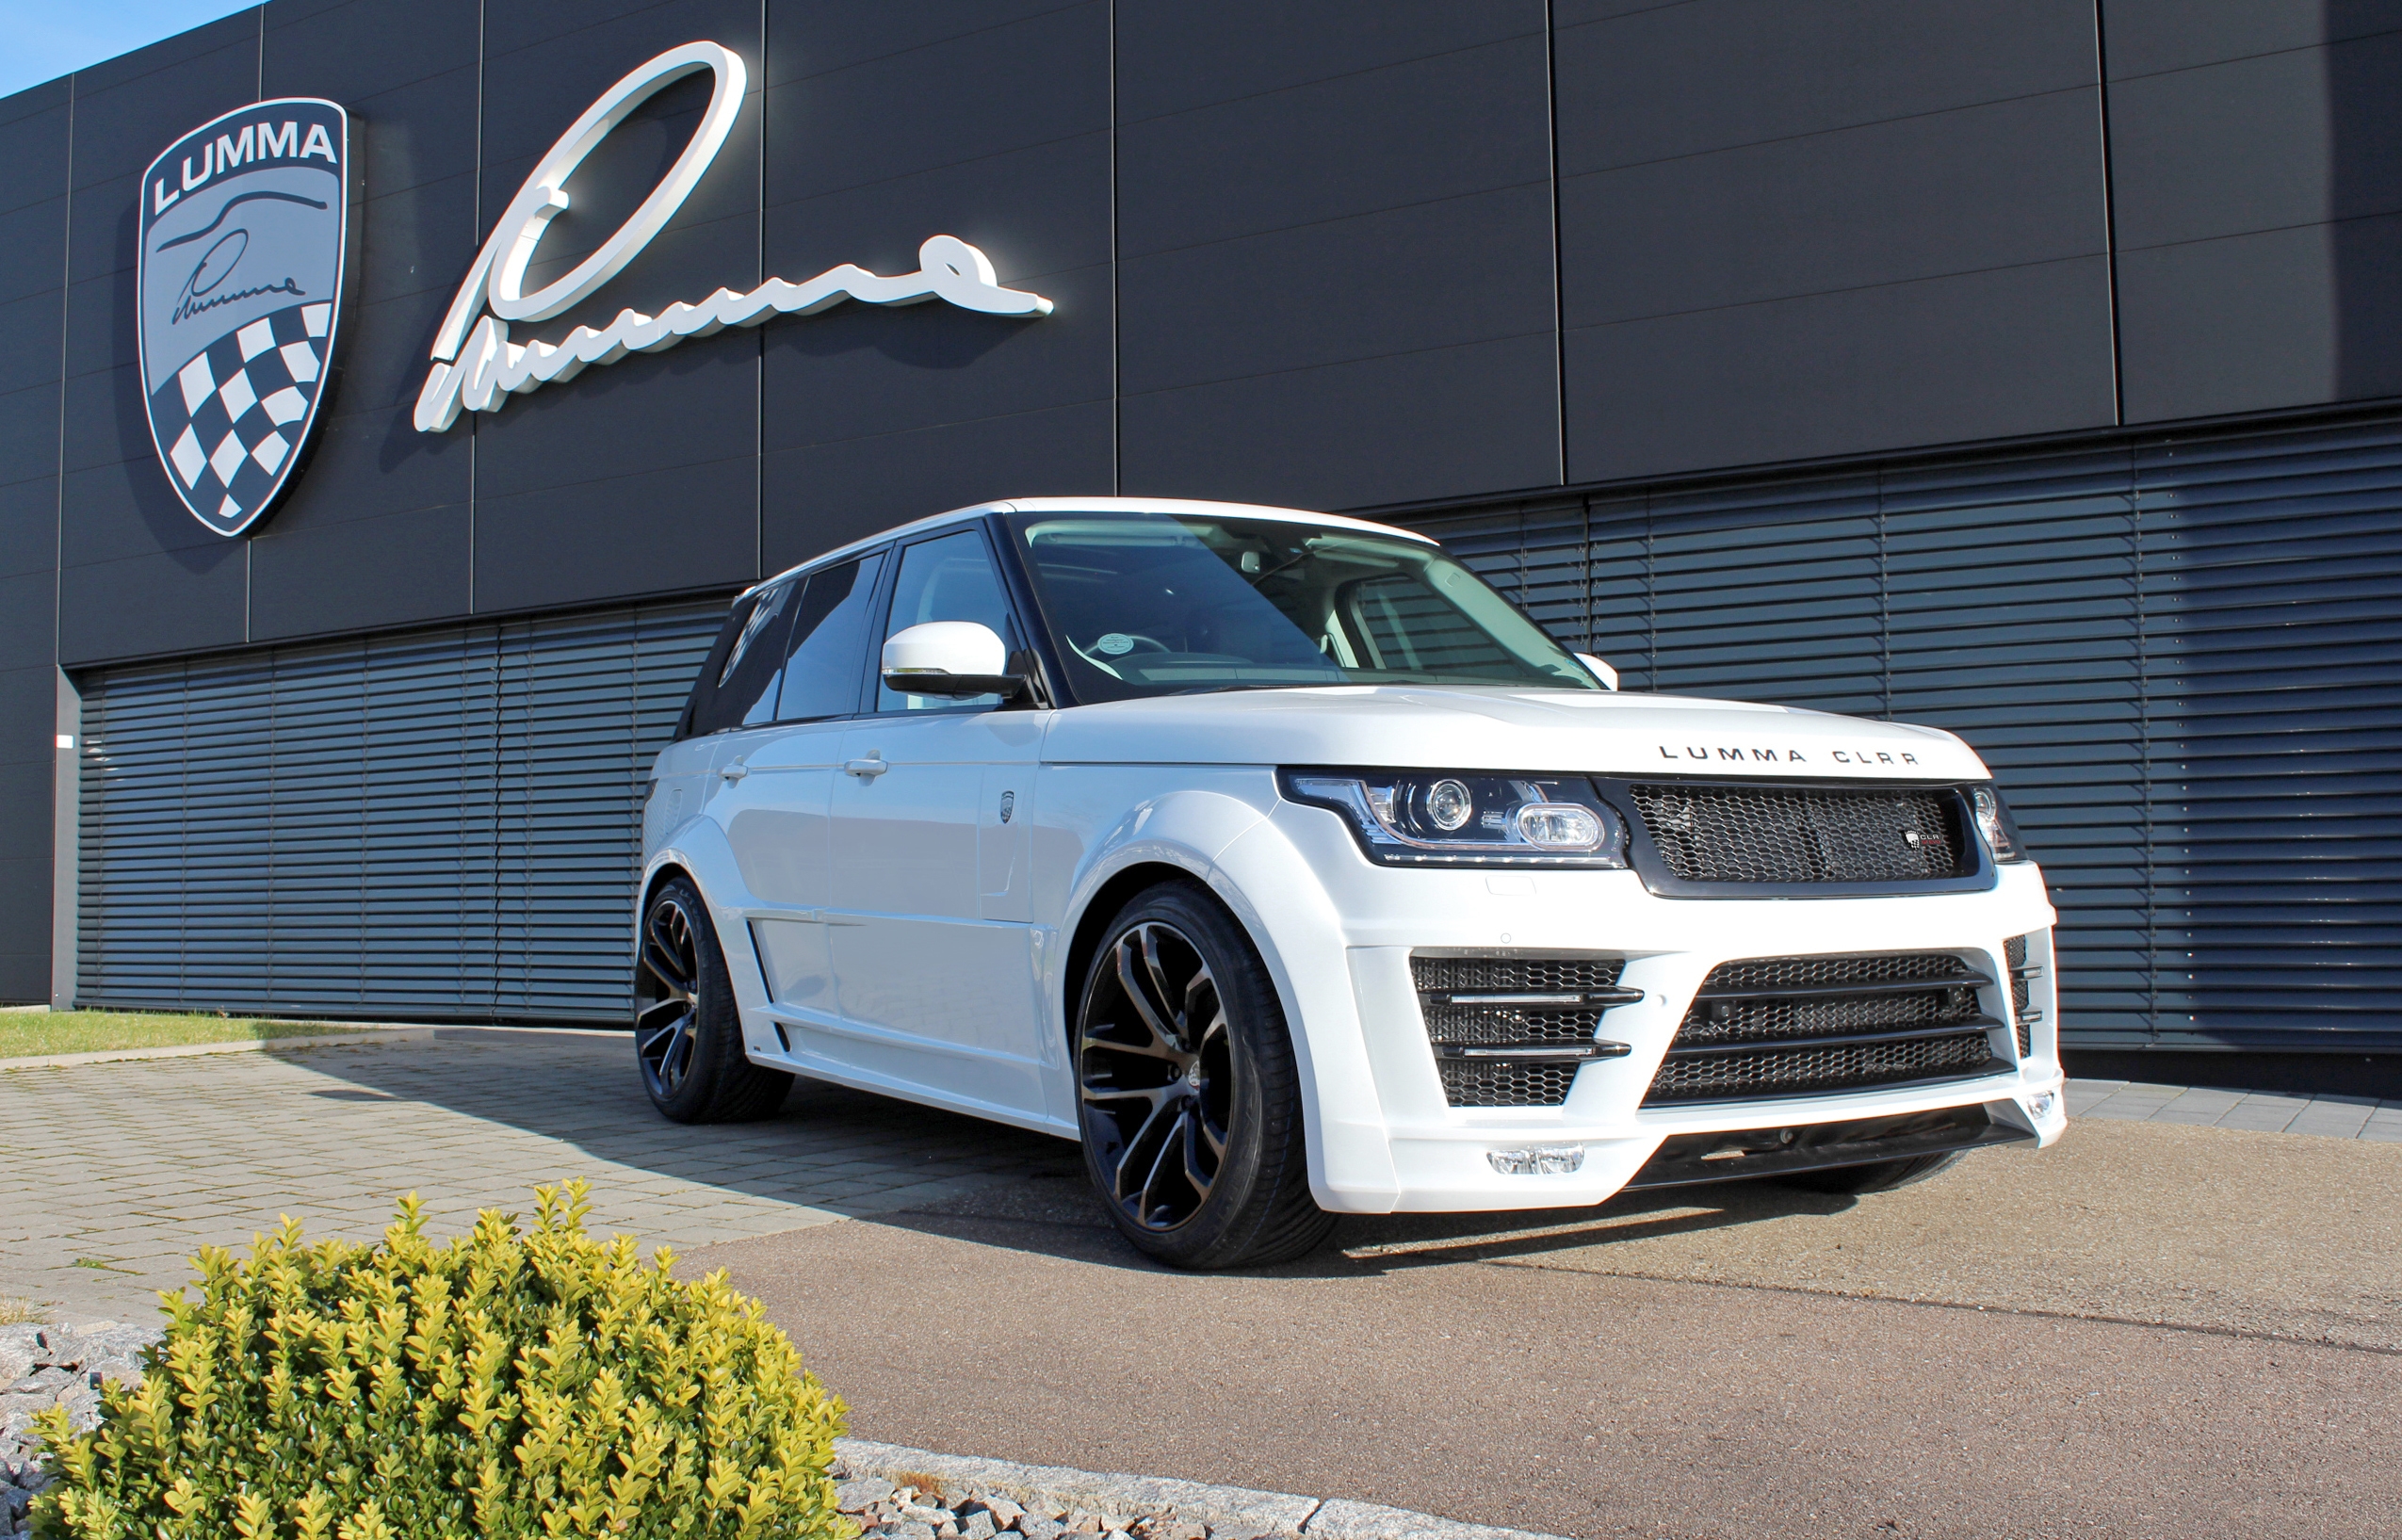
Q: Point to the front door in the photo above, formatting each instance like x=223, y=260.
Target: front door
x=934, y=957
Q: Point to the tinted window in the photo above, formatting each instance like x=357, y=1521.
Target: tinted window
x=737, y=686
x=1151, y=604
x=829, y=638
x=946, y=579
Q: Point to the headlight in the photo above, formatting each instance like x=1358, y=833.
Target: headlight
x=1438, y=818
x=1994, y=822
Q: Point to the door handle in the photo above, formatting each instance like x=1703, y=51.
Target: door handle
x=867, y=768
x=734, y=772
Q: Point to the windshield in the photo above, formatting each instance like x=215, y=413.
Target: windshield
x=1158, y=604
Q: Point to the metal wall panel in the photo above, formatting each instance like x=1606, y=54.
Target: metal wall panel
x=439, y=824
x=2180, y=657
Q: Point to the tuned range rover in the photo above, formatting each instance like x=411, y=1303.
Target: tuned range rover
x=1292, y=870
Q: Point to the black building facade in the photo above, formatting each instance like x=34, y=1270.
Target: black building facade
x=2028, y=368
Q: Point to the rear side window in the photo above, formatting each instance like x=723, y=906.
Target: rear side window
x=739, y=685
x=829, y=642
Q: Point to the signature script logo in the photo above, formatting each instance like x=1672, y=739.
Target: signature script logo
x=243, y=248
x=475, y=365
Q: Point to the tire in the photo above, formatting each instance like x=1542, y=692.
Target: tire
x=687, y=1037
x=1876, y=1177
x=1188, y=1095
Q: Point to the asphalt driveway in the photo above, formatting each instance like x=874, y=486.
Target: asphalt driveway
x=2162, y=1326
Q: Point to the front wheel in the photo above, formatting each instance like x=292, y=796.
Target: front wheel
x=688, y=1036
x=1190, y=1099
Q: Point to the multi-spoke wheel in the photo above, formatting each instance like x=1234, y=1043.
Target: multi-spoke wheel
x=1190, y=1103
x=688, y=1038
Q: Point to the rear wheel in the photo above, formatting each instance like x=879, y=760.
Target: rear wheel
x=687, y=1037
x=1876, y=1177
x=1190, y=1102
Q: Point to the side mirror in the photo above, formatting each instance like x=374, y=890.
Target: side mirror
x=955, y=658
x=1608, y=676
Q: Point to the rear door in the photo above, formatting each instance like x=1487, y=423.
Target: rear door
x=933, y=953
x=779, y=781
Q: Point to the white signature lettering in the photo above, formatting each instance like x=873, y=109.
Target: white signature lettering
x=477, y=368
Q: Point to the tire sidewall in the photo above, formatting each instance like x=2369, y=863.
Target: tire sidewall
x=1253, y=1014
x=715, y=1022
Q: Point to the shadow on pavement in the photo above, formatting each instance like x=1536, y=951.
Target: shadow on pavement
x=581, y=1088
x=1060, y=1216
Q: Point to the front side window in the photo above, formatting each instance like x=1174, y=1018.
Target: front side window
x=948, y=579
x=829, y=634
x=1157, y=604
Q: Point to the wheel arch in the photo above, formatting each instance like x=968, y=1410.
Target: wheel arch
x=1102, y=906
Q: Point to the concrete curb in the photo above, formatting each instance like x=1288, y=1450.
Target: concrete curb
x=189, y=1051
x=1275, y=1513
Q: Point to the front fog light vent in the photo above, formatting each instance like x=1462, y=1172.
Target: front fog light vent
x=1538, y=1159
x=1512, y=1031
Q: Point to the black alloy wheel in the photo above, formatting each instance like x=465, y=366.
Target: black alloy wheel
x=1190, y=1099
x=1158, y=1078
x=688, y=1035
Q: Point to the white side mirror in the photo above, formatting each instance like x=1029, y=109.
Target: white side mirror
x=948, y=658
x=1608, y=676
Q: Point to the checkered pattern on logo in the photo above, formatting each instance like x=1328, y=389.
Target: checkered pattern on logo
x=232, y=416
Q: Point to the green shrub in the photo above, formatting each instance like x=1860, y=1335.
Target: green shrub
x=507, y=1384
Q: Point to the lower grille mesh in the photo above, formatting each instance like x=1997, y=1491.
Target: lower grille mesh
x=1786, y=1072
x=2021, y=994
x=1751, y=1029
x=1503, y=1082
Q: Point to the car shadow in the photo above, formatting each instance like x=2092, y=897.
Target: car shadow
x=945, y=1173
x=1067, y=1220
x=581, y=1088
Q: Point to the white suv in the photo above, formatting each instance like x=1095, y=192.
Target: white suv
x=1292, y=871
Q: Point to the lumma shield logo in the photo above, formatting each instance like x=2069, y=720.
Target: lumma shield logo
x=244, y=239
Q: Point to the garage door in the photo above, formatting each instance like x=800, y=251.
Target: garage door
x=2183, y=658
x=434, y=825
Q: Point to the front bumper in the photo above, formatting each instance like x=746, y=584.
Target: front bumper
x=1398, y=1145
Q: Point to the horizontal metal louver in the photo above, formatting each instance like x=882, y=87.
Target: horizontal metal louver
x=436, y=825
x=2179, y=656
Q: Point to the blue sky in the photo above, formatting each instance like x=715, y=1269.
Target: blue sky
x=45, y=39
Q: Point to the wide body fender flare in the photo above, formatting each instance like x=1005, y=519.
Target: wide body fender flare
x=1238, y=851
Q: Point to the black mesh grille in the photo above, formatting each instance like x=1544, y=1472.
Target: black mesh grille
x=1785, y=1072
x=1804, y=833
x=1767, y=1036
x=2022, y=993
x=1789, y=972
x=1821, y=1015
x=1522, y=973
x=1502, y=1082
x=1473, y=1082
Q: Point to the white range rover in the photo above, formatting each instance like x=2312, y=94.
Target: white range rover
x=1292, y=870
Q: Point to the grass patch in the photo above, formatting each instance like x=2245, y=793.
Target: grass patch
x=17, y=1312
x=27, y=1034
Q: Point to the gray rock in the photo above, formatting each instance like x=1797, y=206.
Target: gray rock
x=861, y=1493
x=1004, y=1512
x=116, y=1369
x=1035, y=1527
x=927, y=1513
x=979, y=1524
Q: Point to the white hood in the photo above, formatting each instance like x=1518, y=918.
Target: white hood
x=1403, y=727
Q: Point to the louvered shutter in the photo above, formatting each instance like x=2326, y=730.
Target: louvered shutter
x=431, y=825
x=2179, y=656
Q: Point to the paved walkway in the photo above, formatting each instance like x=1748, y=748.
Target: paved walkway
x=111, y=1175
x=2263, y=1111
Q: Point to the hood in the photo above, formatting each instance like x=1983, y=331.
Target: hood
x=1405, y=727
